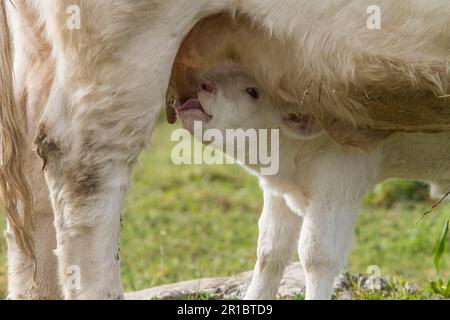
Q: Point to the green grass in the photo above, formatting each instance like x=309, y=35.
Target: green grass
x=186, y=222
x=392, y=240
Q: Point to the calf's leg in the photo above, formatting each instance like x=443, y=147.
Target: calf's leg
x=340, y=181
x=278, y=237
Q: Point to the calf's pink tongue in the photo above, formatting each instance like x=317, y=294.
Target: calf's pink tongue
x=190, y=104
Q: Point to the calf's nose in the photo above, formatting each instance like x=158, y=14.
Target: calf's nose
x=206, y=85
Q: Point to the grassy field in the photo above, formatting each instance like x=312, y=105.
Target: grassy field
x=185, y=222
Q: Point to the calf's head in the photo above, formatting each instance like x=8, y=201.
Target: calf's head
x=229, y=98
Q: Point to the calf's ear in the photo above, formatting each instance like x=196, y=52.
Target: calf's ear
x=300, y=126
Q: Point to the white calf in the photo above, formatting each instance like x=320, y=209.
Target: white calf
x=319, y=185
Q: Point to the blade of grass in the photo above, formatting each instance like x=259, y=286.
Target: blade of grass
x=440, y=247
x=447, y=293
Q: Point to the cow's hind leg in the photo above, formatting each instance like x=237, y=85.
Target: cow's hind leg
x=87, y=187
x=87, y=183
x=27, y=280
x=87, y=172
x=107, y=95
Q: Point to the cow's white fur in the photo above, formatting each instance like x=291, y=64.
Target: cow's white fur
x=109, y=87
x=109, y=83
x=319, y=182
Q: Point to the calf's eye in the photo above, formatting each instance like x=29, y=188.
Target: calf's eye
x=252, y=92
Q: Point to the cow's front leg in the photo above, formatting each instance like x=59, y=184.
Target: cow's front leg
x=278, y=236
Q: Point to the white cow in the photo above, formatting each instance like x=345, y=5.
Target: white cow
x=90, y=78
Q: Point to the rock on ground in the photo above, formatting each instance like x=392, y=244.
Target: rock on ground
x=292, y=285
